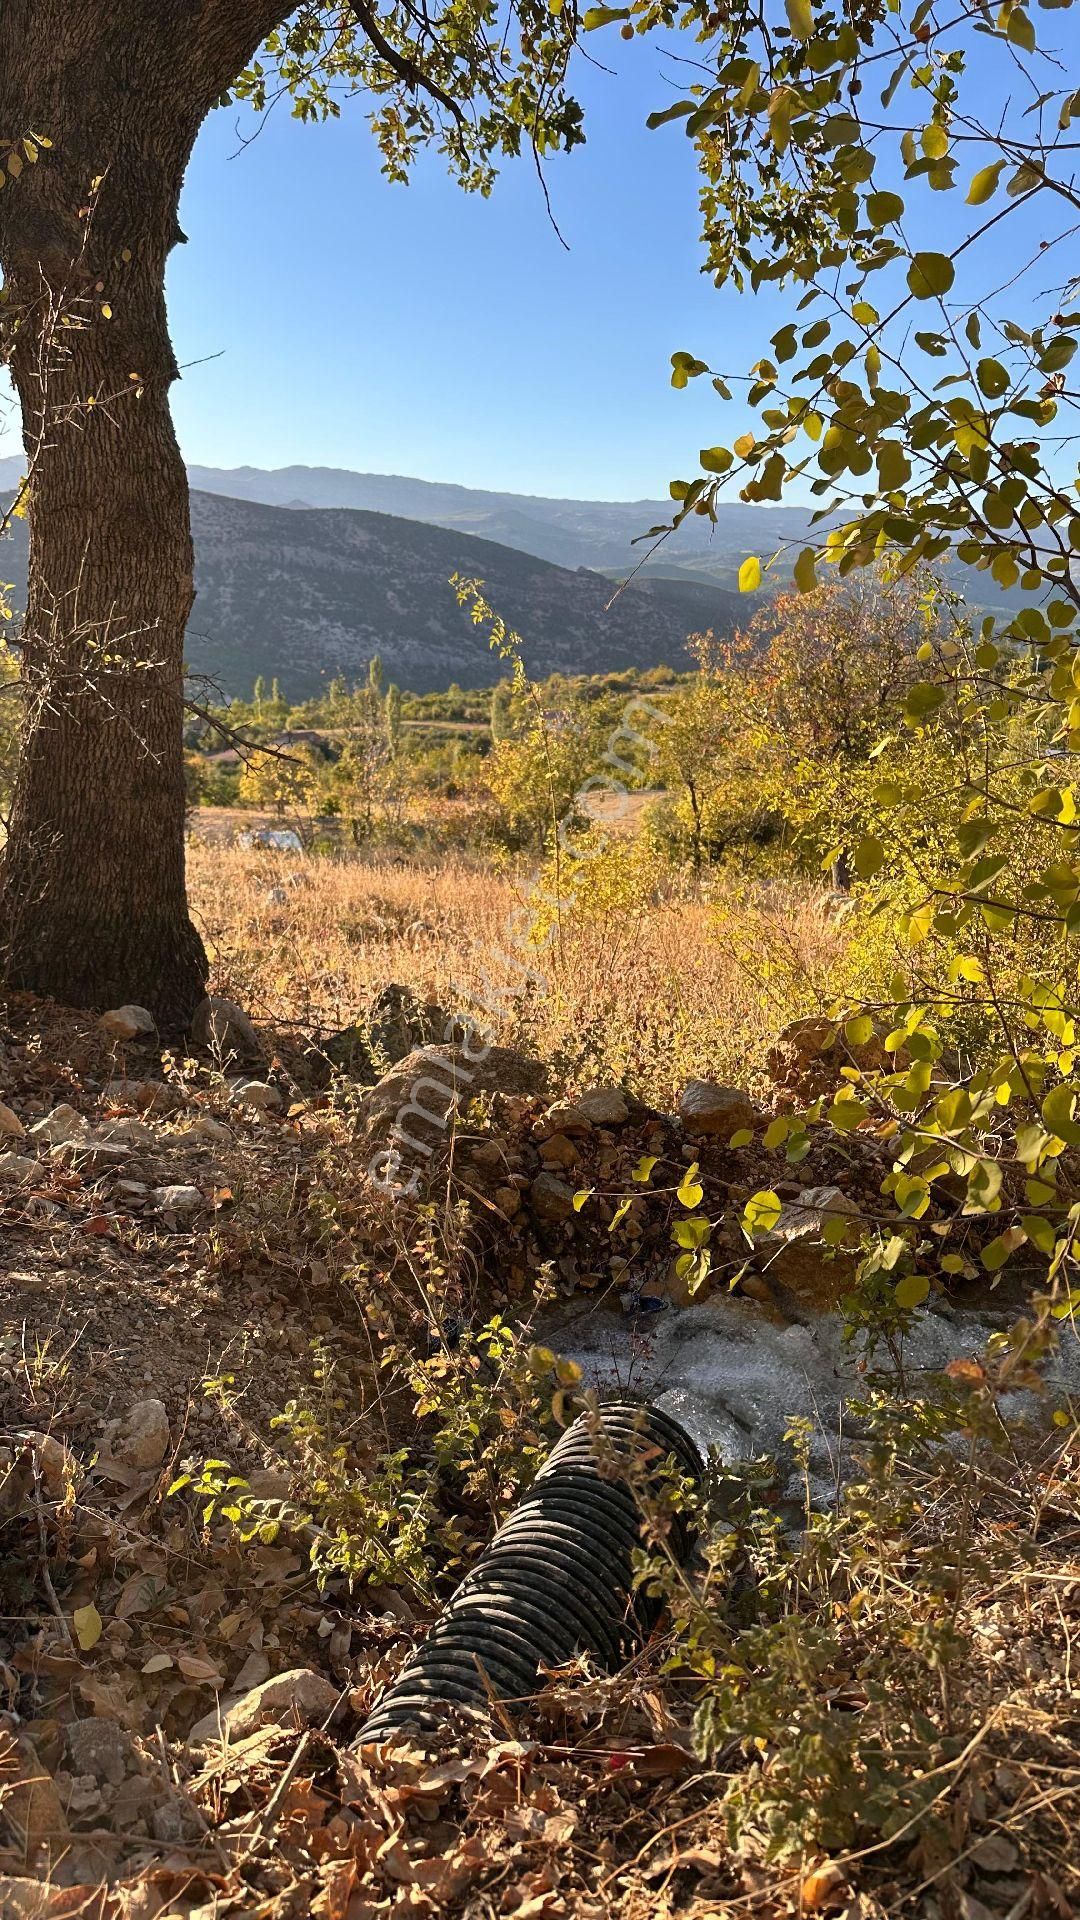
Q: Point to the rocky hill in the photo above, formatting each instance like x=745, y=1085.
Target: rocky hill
x=305, y=594
x=572, y=533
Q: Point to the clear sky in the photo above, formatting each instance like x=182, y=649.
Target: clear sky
x=326, y=318
x=423, y=331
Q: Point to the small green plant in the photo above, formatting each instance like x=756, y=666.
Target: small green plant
x=404, y=1516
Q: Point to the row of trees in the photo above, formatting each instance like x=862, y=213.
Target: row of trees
x=357, y=776
x=757, y=747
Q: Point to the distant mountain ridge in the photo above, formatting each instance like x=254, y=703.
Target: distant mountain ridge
x=359, y=562
x=604, y=534
x=306, y=593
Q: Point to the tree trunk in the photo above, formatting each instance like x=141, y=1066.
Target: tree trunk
x=92, y=898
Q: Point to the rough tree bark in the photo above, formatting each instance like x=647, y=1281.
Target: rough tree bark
x=92, y=898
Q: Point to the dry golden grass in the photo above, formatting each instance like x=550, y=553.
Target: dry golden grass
x=648, y=990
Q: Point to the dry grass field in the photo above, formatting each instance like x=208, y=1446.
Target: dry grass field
x=647, y=987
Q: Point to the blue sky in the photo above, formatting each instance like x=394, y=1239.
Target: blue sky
x=327, y=318
x=423, y=331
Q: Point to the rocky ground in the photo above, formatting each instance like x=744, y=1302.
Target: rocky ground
x=187, y=1234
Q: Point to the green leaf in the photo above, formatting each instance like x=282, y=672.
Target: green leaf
x=603, y=16
x=1057, y=1111
x=715, y=459
x=973, y=835
x=883, y=208
x=894, y=467
x=684, y=367
x=750, y=575
x=1058, y=354
x=692, y=1233
x=743, y=1137
x=912, y=1195
x=993, y=378
x=995, y=1254
x=868, y=856
x=1020, y=29
x=1040, y=1232
x=984, y=184
x=679, y=111
x=805, y=570
x=923, y=699
x=860, y=1030
x=912, y=1290
x=984, y=1185
x=930, y=275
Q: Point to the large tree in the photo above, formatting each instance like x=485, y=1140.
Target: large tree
x=100, y=105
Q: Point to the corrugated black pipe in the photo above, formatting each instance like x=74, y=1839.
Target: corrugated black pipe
x=556, y=1580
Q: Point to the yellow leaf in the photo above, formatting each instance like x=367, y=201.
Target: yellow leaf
x=750, y=575
x=800, y=18
x=690, y=1191
x=920, y=923
x=87, y=1624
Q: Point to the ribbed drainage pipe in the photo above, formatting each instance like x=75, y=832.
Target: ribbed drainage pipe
x=556, y=1580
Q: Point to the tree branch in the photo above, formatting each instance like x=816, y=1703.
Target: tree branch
x=406, y=69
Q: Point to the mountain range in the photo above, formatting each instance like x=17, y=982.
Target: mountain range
x=302, y=592
x=304, y=572
x=599, y=534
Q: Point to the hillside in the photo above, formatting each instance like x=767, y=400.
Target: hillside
x=307, y=594
x=304, y=571
x=572, y=533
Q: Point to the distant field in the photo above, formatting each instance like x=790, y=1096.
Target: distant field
x=620, y=813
